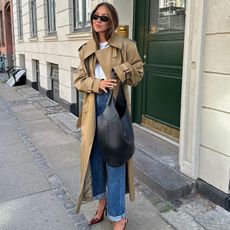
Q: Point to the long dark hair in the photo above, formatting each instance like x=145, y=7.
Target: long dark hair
x=113, y=19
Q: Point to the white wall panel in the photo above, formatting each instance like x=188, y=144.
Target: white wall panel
x=216, y=91
x=217, y=53
x=215, y=130
x=214, y=169
x=218, y=20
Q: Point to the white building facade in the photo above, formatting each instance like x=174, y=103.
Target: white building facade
x=48, y=34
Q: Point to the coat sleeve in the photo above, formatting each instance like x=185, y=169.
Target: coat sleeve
x=131, y=70
x=82, y=80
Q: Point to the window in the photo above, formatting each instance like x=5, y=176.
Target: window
x=81, y=13
x=19, y=17
x=2, y=41
x=33, y=18
x=167, y=16
x=51, y=8
x=54, y=76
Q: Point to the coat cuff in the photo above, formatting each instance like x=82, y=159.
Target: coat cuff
x=122, y=71
x=95, y=85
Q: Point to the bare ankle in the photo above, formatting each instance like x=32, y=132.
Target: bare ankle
x=120, y=225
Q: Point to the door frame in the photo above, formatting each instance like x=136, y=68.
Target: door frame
x=189, y=152
x=137, y=92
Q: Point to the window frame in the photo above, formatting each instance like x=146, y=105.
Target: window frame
x=20, y=18
x=2, y=35
x=51, y=17
x=164, y=15
x=33, y=19
x=81, y=10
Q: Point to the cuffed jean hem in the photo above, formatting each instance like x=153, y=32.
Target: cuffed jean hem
x=117, y=218
x=100, y=196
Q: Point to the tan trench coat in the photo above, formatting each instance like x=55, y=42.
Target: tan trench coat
x=122, y=57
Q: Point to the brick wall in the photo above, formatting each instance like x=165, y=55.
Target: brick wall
x=7, y=43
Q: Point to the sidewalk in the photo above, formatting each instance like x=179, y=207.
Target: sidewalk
x=39, y=168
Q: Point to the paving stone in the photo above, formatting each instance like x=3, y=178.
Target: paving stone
x=26, y=181
x=48, y=103
x=22, y=108
x=47, y=138
x=61, y=156
x=14, y=154
x=69, y=204
x=182, y=221
x=166, y=182
x=11, y=95
x=9, y=137
x=217, y=218
x=40, y=211
x=27, y=91
x=30, y=115
x=70, y=176
x=39, y=126
x=67, y=119
x=3, y=114
x=163, y=151
x=196, y=206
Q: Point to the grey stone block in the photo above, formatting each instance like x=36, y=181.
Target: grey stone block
x=38, y=212
x=196, y=206
x=217, y=218
x=21, y=180
x=165, y=181
x=48, y=138
x=67, y=119
x=70, y=176
x=48, y=103
x=27, y=91
x=11, y=95
x=182, y=221
x=165, y=152
x=10, y=137
x=30, y=115
x=39, y=126
x=22, y=108
x=62, y=156
x=3, y=113
x=14, y=154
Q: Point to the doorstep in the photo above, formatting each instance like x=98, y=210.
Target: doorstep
x=156, y=164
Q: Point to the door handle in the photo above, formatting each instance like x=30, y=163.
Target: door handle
x=144, y=57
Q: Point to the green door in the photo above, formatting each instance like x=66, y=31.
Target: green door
x=159, y=32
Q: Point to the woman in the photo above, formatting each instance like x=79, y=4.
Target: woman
x=106, y=56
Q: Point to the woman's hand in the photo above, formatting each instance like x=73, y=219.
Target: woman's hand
x=107, y=83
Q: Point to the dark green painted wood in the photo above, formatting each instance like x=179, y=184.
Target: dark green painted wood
x=161, y=88
x=139, y=35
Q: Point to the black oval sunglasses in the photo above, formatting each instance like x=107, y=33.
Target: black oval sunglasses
x=103, y=18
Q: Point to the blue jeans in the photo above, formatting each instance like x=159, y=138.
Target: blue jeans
x=107, y=182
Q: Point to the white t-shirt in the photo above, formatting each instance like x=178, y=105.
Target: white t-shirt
x=99, y=73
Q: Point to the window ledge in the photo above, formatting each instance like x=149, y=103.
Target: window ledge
x=20, y=40
x=50, y=37
x=79, y=35
x=33, y=39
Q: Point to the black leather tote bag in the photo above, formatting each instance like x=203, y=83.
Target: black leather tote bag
x=115, y=131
